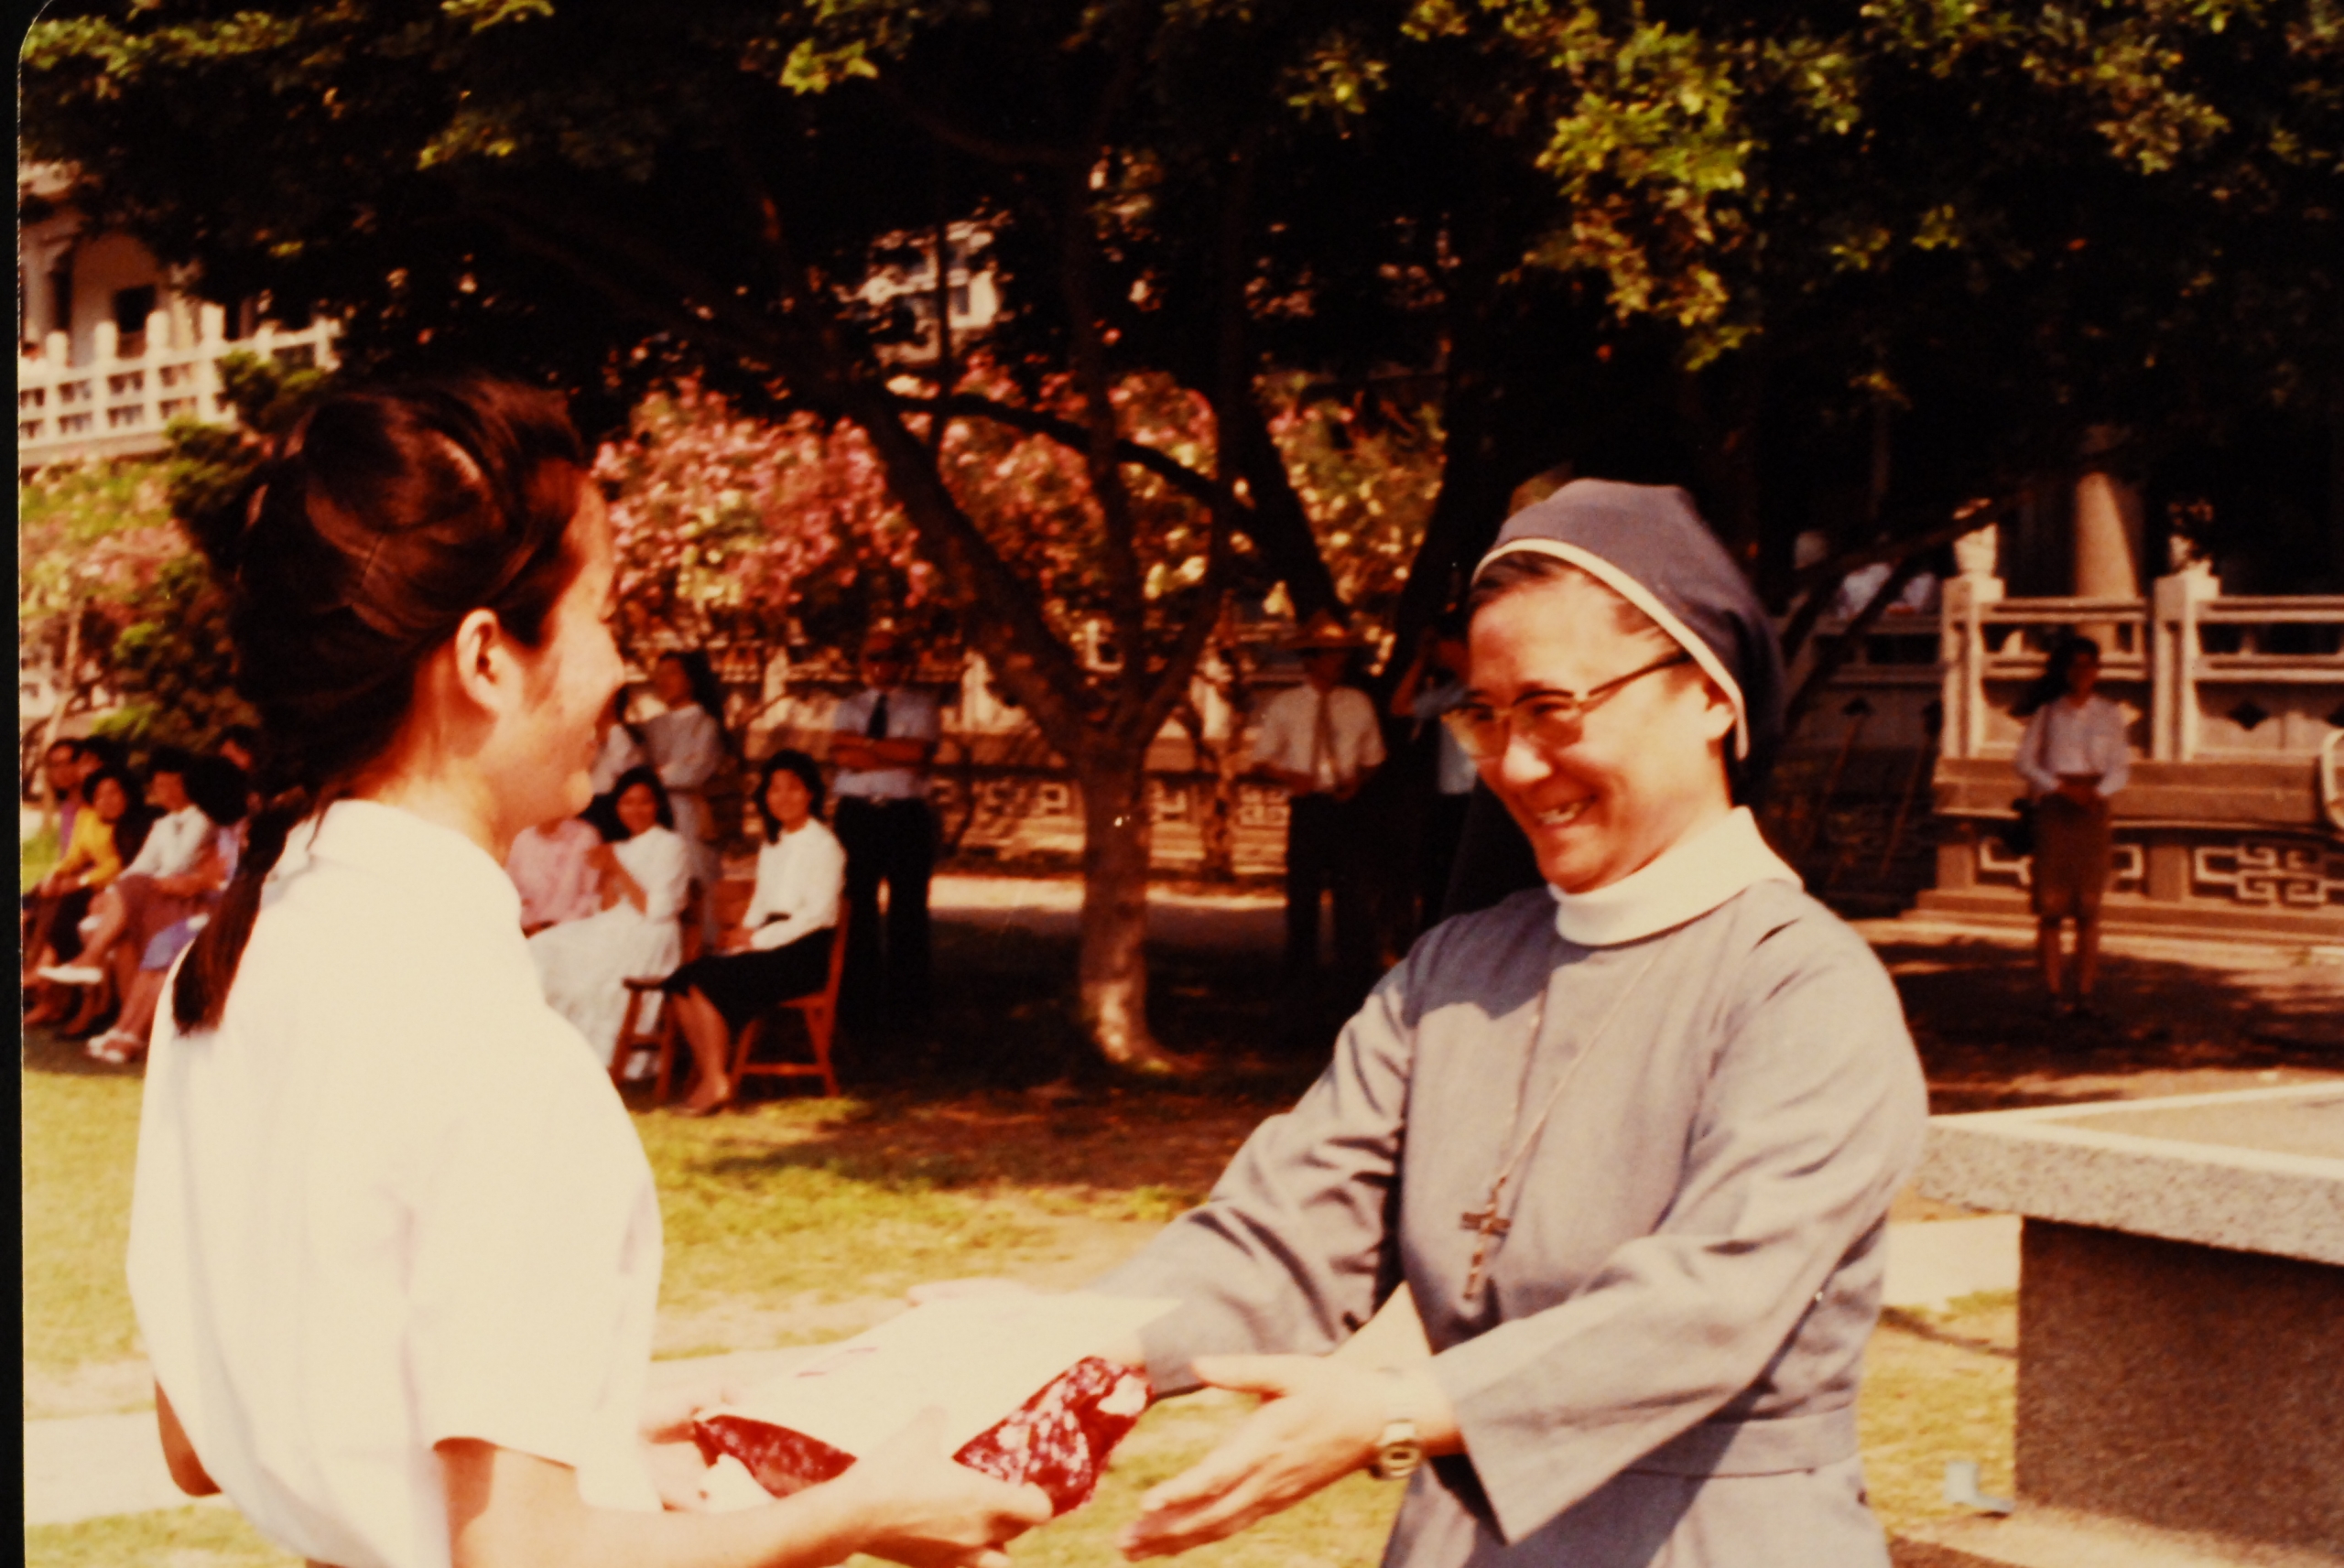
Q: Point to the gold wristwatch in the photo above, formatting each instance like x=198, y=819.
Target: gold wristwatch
x=1398, y=1451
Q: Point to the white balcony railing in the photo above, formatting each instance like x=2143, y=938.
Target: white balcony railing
x=117, y=401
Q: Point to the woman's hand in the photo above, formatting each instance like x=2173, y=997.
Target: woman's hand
x=2083, y=792
x=1319, y=1420
x=670, y=1454
x=917, y=1506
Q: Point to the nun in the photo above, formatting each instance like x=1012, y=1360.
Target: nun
x=1629, y=1140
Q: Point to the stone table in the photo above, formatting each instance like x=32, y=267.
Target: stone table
x=2181, y=1328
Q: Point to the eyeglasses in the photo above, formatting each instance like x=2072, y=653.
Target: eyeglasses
x=1548, y=720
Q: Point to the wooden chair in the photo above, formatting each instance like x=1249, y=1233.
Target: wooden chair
x=820, y=1011
x=642, y=992
x=633, y=1036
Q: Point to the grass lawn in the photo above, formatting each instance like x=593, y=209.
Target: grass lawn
x=801, y=1220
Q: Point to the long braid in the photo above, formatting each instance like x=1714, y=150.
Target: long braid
x=200, y=992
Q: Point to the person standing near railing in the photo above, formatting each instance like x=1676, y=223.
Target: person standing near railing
x=2074, y=759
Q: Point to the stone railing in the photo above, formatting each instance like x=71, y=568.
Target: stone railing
x=2235, y=808
x=117, y=401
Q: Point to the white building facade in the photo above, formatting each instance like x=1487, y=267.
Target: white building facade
x=112, y=346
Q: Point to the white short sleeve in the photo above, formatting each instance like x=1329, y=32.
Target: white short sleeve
x=526, y=1252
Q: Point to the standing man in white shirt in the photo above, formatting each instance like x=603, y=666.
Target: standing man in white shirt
x=1320, y=741
x=2074, y=758
x=883, y=737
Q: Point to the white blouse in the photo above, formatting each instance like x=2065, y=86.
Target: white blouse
x=390, y=1201
x=799, y=877
x=174, y=844
x=2063, y=738
x=655, y=859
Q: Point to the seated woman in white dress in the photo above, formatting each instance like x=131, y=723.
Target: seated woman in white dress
x=646, y=877
x=783, y=947
x=394, y=1244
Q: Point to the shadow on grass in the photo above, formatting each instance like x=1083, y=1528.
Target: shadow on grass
x=1988, y=1041
x=47, y=1052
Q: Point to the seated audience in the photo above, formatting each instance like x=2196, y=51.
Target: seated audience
x=645, y=881
x=220, y=787
x=163, y=882
x=555, y=868
x=107, y=834
x=65, y=765
x=783, y=947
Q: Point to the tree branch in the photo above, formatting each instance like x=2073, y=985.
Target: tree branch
x=1822, y=578
x=976, y=144
x=1842, y=648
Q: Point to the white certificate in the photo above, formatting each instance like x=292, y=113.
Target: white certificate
x=978, y=1358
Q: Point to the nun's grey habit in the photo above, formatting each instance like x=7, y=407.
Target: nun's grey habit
x=1659, y=1367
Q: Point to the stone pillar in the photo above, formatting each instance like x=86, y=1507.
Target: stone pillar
x=2108, y=535
x=2173, y=656
x=1962, y=645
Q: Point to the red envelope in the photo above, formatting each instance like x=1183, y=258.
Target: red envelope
x=1058, y=1440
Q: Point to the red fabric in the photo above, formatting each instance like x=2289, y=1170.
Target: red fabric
x=1058, y=1440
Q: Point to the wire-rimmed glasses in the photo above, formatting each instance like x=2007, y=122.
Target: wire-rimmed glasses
x=1548, y=720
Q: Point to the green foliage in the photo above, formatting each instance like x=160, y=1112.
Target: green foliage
x=172, y=667
x=108, y=544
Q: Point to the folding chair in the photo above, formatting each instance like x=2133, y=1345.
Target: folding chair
x=820, y=1011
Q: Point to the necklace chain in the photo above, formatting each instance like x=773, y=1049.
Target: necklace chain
x=1488, y=1221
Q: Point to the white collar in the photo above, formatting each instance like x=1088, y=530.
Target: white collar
x=1686, y=881
x=393, y=842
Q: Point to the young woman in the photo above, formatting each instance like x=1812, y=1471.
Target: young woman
x=645, y=881
x=394, y=1250
x=1630, y=1138
x=2074, y=759
x=687, y=744
x=783, y=948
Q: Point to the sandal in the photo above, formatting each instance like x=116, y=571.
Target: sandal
x=117, y=1048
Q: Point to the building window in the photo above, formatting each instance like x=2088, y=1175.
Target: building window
x=132, y=307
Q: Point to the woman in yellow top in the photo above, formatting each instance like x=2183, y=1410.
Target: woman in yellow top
x=93, y=857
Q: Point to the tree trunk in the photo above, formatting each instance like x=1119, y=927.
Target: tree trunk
x=1112, y=971
x=55, y=726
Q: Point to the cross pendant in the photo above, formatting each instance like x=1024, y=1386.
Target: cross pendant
x=1489, y=1226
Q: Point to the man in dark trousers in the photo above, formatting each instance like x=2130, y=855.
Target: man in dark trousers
x=1320, y=741
x=883, y=737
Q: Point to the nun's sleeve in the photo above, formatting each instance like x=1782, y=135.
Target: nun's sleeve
x=1812, y=1118
x=1288, y=1255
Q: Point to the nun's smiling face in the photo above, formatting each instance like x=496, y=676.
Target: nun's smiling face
x=1643, y=767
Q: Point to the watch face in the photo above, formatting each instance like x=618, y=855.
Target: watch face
x=1396, y=1461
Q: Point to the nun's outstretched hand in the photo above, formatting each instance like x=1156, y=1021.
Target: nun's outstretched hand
x=1320, y=1419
